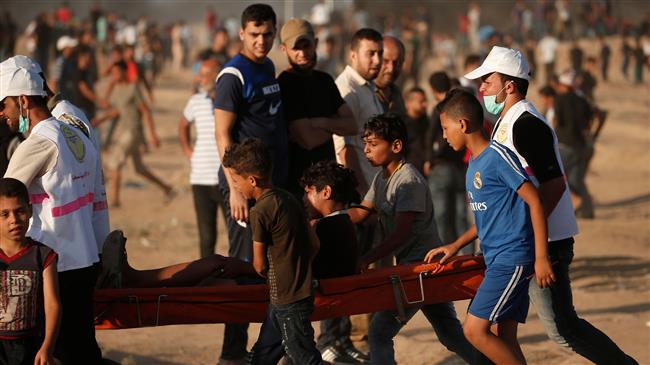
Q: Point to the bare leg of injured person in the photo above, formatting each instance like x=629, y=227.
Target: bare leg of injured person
x=117, y=273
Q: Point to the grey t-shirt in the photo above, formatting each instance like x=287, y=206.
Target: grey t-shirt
x=407, y=191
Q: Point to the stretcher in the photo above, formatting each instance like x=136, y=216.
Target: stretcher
x=395, y=288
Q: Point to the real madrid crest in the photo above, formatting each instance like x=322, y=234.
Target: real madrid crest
x=502, y=134
x=74, y=142
x=477, y=180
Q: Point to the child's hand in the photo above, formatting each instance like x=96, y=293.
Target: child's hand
x=544, y=272
x=446, y=251
x=43, y=357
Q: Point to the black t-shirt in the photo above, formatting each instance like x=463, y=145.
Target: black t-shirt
x=338, y=252
x=279, y=221
x=533, y=140
x=308, y=96
x=572, y=114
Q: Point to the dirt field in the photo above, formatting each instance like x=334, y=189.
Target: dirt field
x=611, y=270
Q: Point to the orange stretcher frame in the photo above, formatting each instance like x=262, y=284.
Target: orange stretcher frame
x=394, y=288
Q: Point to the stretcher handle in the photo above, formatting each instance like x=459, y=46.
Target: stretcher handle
x=136, y=299
x=416, y=301
x=400, y=293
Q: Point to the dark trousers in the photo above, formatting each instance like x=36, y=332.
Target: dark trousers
x=287, y=329
x=21, y=351
x=240, y=245
x=76, y=343
x=207, y=200
x=555, y=309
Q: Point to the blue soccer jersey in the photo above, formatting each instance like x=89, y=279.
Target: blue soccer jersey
x=502, y=217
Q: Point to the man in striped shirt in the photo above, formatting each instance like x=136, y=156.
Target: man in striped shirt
x=203, y=156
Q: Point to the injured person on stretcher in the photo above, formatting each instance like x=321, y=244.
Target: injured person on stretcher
x=117, y=273
x=329, y=189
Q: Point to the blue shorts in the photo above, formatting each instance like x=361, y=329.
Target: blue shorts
x=503, y=294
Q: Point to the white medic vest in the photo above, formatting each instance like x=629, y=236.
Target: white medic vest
x=562, y=221
x=63, y=198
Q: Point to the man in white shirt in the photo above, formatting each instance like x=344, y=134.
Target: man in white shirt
x=203, y=156
x=548, y=48
x=358, y=90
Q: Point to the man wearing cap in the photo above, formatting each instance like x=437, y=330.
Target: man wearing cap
x=248, y=104
x=65, y=62
x=60, y=166
x=314, y=111
x=573, y=114
x=521, y=128
x=313, y=107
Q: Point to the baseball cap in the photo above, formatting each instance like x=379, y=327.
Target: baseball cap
x=65, y=42
x=505, y=61
x=16, y=81
x=294, y=30
x=22, y=62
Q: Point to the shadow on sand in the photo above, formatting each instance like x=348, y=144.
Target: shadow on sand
x=624, y=202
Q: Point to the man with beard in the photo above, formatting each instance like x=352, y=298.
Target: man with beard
x=313, y=107
x=358, y=90
x=391, y=67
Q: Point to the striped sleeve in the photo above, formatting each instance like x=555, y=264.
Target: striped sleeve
x=510, y=171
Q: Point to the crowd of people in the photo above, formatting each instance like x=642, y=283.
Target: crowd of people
x=333, y=166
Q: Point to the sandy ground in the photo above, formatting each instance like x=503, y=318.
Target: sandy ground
x=610, y=273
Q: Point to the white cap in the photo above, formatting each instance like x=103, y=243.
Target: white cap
x=567, y=78
x=16, y=81
x=65, y=42
x=505, y=61
x=22, y=62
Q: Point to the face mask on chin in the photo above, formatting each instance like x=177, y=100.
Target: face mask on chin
x=23, y=122
x=491, y=104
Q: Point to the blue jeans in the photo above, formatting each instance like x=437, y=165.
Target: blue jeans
x=447, y=185
x=442, y=316
x=287, y=329
x=554, y=306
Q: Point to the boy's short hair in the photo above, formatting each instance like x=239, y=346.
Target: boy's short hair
x=389, y=127
x=250, y=157
x=339, y=178
x=461, y=104
x=367, y=34
x=12, y=188
x=258, y=14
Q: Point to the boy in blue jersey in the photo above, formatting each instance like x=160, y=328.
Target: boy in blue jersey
x=511, y=225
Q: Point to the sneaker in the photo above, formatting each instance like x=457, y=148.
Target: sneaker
x=333, y=355
x=359, y=356
x=113, y=261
